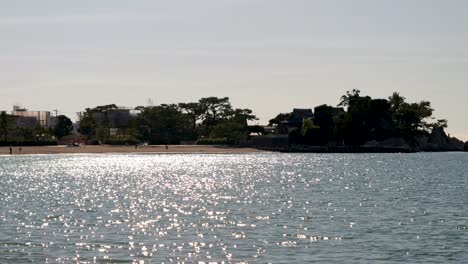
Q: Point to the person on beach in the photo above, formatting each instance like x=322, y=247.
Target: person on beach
x=20, y=149
x=11, y=151
x=167, y=147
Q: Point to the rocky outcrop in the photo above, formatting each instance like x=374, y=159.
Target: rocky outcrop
x=466, y=146
x=439, y=141
x=456, y=144
x=436, y=141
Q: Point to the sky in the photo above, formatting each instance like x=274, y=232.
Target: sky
x=266, y=55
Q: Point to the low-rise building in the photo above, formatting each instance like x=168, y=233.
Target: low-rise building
x=25, y=118
x=115, y=118
x=298, y=116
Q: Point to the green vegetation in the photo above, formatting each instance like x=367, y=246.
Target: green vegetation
x=209, y=120
x=212, y=120
x=10, y=134
x=366, y=119
x=6, y=126
x=63, y=127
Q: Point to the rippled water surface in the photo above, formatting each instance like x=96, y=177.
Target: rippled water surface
x=257, y=208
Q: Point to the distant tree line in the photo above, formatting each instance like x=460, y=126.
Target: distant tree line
x=214, y=120
x=210, y=120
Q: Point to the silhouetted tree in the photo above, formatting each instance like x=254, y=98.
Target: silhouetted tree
x=347, y=99
x=443, y=123
x=88, y=125
x=6, y=125
x=63, y=127
x=194, y=111
x=230, y=130
x=214, y=110
x=164, y=124
x=310, y=133
x=410, y=118
x=241, y=116
x=323, y=117
x=355, y=122
x=276, y=121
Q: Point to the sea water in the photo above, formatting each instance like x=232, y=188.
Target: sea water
x=256, y=208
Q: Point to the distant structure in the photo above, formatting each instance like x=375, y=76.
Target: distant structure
x=278, y=136
x=25, y=118
x=297, y=116
x=115, y=118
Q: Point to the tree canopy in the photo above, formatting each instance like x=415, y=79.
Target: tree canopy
x=63, y=126
x=210, y=117
x=6, y=125
x=365, y=119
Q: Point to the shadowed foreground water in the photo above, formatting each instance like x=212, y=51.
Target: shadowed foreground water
x=279, y=208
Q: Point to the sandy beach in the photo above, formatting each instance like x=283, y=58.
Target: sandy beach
x=126, y=149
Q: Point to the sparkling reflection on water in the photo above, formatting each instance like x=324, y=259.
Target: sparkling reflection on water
x=279, y=208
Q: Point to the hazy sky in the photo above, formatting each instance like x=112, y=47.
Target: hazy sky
x=268, y=55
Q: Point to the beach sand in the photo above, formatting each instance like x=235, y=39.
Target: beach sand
x=127, y=149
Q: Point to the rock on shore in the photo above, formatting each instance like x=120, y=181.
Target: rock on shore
x=439, y=141
x=436, y=141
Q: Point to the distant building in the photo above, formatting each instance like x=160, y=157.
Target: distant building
x=117, y=118
x=25, y=118
x=114, y=118
x=25, y=121
x=298, y=116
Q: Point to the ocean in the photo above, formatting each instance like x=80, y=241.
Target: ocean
x=232, y=208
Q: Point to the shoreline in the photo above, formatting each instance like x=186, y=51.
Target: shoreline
x=102, y=149
x=187, y=149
